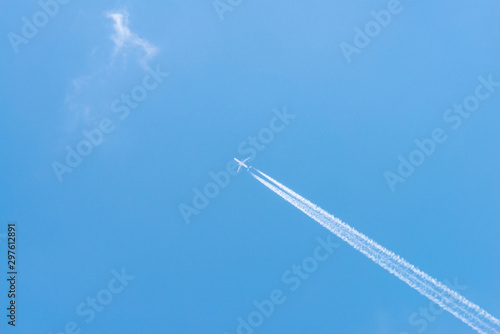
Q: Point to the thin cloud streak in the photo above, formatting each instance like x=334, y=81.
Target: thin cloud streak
x=451, y=301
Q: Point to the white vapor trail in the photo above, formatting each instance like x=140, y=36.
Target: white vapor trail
x=451, y=301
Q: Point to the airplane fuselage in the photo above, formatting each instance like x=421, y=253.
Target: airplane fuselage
x=242, y=164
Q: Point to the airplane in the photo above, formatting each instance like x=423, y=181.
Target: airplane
x=242, y=164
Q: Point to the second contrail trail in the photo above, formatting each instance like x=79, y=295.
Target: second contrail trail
x=459, y=306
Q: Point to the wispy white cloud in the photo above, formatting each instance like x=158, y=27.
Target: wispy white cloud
x=87, y=99
x=124, y=38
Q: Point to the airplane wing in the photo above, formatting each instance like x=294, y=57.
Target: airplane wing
x=241, y=163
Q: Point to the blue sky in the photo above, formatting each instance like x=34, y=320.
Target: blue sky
x=120, y=207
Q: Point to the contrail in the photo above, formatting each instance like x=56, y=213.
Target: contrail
x=459, y=306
